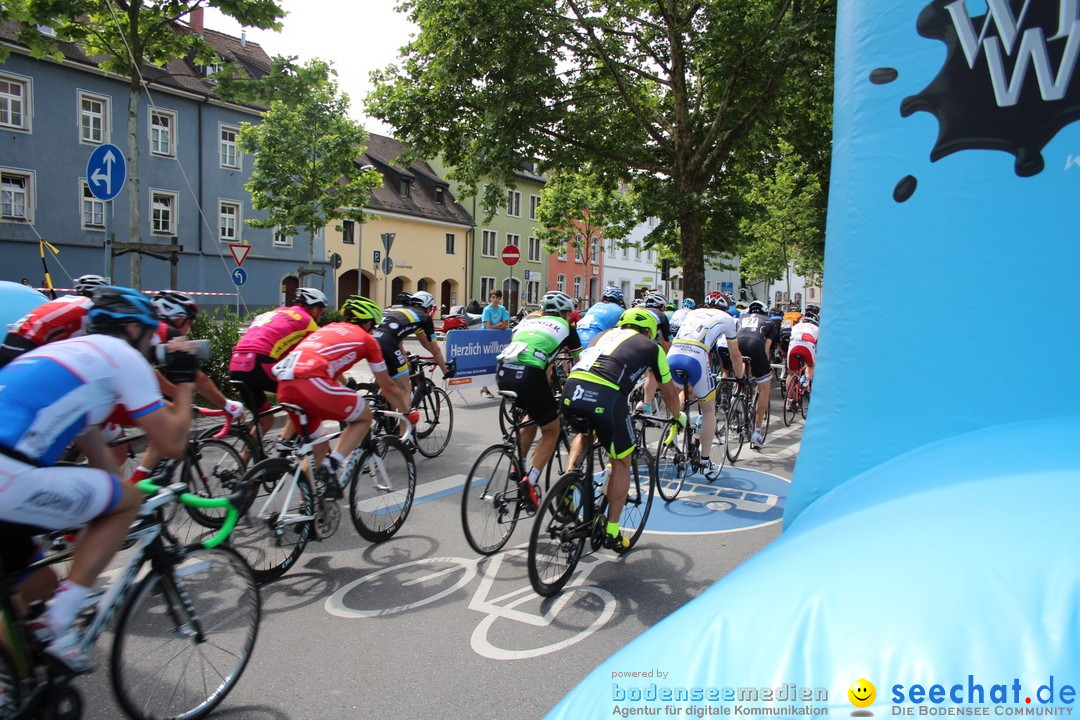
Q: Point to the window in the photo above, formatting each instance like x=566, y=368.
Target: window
x=560, y=283
x=162, y=213
x=406, y=188
x=514, y=240
x=228, y=151
x=93, y=118
x=534, y=249
x=348, y=232
x=14, y=103
x=611, y=249
x=562, y=252
x=513, y=203
x=487, y=249
x=93, y=210
x=451, y=241
x=439, y=196
x=162, y=133
x=651, y=256
x=595, y=249
x=578, y=256
x=637, y=252
x=16, y=195
x=534, y=206
x=228, y=221
x=577, y=286
x=209, y=71
x=281, y=239
x=487, y=285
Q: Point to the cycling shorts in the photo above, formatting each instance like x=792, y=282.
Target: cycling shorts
x=397, y=364
x=725, y=360
x=760, y=369
x=694, y=361
x=55, y=498
x=606, y=408
x=18, y=548
x=322, y=399
x=799, y=352
x=534, y=394
x=257, y=372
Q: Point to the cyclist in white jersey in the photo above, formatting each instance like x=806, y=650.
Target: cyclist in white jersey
x=690, y=352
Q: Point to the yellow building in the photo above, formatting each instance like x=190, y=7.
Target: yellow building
x=431, y=234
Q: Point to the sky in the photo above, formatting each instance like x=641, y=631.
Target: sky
x=356, y=36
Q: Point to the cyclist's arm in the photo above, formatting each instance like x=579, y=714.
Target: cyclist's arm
x=97, y=452
x=667, y=388
x=433, y=347
x=167, y=427
x=206, y=387
x=736, y=357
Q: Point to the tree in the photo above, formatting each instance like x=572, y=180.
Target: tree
x=788, y=227
x=130, y=36
x=661, y=94
x=305, y=171
x=581, y=205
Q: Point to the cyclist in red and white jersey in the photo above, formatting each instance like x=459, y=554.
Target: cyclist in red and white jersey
x=56, y=319
x=313, y=377
x=802, y=349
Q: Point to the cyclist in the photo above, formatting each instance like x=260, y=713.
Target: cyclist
x=598, y=389
x=654, y=303
x=398, y=324
x=272, y=335
x=60, y=393
x=56, y=319
x=313, y=377
x=677, y=318
x=523, y=369
x=602, y=316
x=802, y=350
x=756, y=336
x=691, y=353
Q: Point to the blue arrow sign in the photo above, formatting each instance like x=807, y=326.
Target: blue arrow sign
x=239, y=276
x=106, y=172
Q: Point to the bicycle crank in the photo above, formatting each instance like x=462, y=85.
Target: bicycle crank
x=327, y=519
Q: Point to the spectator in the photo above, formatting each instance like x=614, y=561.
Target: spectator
x=495, y=317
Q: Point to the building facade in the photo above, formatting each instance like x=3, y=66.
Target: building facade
x=53, y=115
x=632, y=268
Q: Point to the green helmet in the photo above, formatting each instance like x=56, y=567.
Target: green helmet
x=639, y=318
x=358, y=309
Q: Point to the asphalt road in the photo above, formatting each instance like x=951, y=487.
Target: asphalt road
x=419, y=626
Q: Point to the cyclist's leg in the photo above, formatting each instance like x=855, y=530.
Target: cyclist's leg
x=18, y=549
x=616, y=432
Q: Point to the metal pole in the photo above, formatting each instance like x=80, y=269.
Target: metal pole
x=108, y=240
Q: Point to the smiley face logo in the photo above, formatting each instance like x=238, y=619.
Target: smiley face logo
x=862, y=693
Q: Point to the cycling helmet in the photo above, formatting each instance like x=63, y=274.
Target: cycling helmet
x=614, y=294
x=422, y=299
x=309, y=297
x=716, y=300
x=639, y=318
x=87, y=284
x=114, y=307
x=556, y=302
x=810, y=317
x=403, y=298
x=688, y=303
x=172, y=305
x=671, y=306
x=357, y=309
x=756, y=306
x=811, y=308
x=655, y=300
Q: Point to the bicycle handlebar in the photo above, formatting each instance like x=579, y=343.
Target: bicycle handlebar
x=210, y=412
x=232, y=513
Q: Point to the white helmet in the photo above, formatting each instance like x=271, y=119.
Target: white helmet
x=87, y=284
x=422, y=299
x=309, y=296
x=655, y=300
x=556, y=302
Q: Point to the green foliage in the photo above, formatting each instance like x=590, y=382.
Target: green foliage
x=581, y=204
x=305, y=172
x=222, y=329
x=330, y=315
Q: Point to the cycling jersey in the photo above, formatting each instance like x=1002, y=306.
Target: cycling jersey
x=600, y=317
x=400, y=323
x=804, y=338
x=677, y=318
x=704, y=327
x=276, y=332
x=55, y=320
x=789, y=319
x=663, y=327
x=328, y=352
x=618, y=358
x=536, y=341
x=754, y=330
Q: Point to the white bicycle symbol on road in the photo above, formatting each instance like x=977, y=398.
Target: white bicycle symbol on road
x=433, y=571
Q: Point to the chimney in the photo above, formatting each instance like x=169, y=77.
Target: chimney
x=243, y=38
x=195, y=19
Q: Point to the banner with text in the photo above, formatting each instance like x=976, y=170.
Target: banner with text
x=475, y=352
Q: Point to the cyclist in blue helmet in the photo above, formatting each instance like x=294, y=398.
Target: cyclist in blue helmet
x=601, y=316
x=676, y=319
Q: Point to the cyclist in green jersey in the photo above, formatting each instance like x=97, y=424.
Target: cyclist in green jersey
x=523, y=369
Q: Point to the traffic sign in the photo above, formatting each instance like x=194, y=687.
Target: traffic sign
x=335, y=260
x=388, y=241
x=388, y=265
x=239, y=276
x=510, y=255
x=106, y=172
x=378, y=258
x=239, y=252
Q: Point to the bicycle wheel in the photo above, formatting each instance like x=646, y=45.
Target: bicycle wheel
x=490, y=500
x=240, y=439
x=558, y=534
x=792, y=399
x=559, y=464
x=804, y=402
x=212, y=469
x=509, y=416
x=185, y=635
x=436, y=422
x=672, y=465
x=383, y=483
x=639, y=496
x=737, y=427
x=271, y=536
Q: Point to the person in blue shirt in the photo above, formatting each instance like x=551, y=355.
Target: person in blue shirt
x=601, y=316
x=495, y=317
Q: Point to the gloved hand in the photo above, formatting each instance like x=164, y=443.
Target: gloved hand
x=180, y=367
x=681, y=423
x=235, y=409
x=451, y=369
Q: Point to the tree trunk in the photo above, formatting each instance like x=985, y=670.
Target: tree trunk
x=693, y=258
x=134, y=204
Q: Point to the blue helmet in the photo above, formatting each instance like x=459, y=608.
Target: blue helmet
x=688, y=303
x=114, y=307
x=614, y=294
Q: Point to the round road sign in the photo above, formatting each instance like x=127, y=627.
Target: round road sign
x=510, y=255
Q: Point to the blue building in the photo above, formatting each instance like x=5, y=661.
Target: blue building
x=192, y=174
